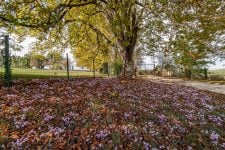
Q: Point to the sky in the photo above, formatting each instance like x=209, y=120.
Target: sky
x=218, y=64
x=26, y=44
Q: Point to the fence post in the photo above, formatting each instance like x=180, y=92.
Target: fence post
x=108, y=70
x=7, y=64
x=189, y=73
x=93, y=67
x=206, y=73
x=154, y=72
x=67, y=66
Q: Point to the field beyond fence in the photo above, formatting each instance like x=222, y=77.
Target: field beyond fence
x=27, y=73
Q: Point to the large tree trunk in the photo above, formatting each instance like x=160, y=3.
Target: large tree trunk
x=127, y=54
x=128, y=69
x=130, y=40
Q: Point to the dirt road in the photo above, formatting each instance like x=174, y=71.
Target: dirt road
x=216, y=87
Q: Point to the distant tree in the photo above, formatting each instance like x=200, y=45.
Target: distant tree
x=37, y=60
x=15, y=61
x=188, y=33
x=26, y=59
x=85, y=57
x=55, y=59
x=195, y=32
x=20, y=61
x=54, y=56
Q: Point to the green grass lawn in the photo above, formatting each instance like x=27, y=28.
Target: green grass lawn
x=217, y=72
x=43, y=73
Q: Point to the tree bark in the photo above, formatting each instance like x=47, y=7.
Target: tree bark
x=127, y=54
x=128, y=62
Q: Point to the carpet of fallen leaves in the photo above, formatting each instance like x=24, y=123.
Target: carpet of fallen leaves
x=87, y=113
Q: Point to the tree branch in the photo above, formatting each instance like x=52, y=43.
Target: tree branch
x=91, y=27
x=80, y=4
x=19, y=23
x=138, y=3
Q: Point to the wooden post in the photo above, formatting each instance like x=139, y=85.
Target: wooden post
x=108, y=71
x=189, y=73
x=115, y=64
x=67, y=66
x=93, y=61
x=206, y=73
x=154, y=71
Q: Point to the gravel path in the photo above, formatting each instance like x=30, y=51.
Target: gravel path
x=200, y=85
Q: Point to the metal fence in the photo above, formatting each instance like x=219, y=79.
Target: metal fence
x=28, y=64
x=214, y=72
x=145, y=69
x=198, y=74
x=42, y=66
x=201, y=73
